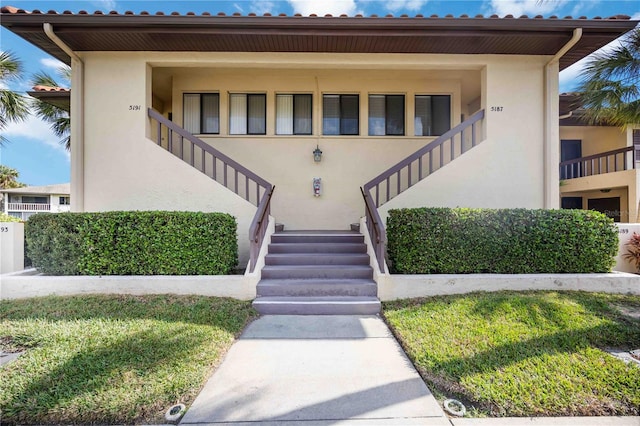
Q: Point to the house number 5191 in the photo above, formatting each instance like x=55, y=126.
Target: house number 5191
x=134, y=108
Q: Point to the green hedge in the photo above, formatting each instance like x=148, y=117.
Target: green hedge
x=133, y=243
x=507, y=241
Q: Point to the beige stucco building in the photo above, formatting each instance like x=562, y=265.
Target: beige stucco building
x=267, y=91
x=599, y=164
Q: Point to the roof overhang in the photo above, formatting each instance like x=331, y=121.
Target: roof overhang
x=60, y=99
x=207, y=33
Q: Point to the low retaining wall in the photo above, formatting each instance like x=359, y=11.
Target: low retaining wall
x=30, y=284
x=392, y=287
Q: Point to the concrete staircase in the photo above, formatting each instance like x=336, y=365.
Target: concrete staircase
x=317, y=273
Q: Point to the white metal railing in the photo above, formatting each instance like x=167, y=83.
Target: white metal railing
x=29, y=207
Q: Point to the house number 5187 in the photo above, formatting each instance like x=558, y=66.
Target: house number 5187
x=134, y=107
x=496, y=108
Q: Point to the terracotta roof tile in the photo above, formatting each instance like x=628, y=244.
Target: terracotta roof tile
x=15, y=10
x=114, y=31
x=41, y=88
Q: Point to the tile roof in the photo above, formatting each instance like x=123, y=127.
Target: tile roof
x=15, y=10
x=60, y=188
x=41, y=88
x=113, y=31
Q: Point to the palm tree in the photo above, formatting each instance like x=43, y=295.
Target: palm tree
x=9, y=178
x=56, y=116
x=13, y=106
x=610, y=84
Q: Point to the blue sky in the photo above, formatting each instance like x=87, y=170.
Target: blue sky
x=36, y=153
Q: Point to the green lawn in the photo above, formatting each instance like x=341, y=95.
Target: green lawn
x=111, y=359
x=524, y=354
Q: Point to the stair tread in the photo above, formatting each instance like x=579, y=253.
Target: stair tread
x=298, y=254
x=316, y=280
x=317, y=299
x=271, y=267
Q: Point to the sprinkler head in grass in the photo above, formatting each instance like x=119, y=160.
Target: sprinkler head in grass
x=454, y=407
x=174, y=413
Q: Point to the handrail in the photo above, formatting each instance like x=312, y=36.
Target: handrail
x=593, y=164
x=204, y=146
x=428, y=149
x=377, y=233
x=206, y=152
x=258, y=227
x=374, y=222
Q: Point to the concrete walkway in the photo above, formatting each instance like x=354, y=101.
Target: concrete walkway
x=316, y=370
x=332, y=370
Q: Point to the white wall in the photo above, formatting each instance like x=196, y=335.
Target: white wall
x=506, y=170
x=126, y=171
x=11, y=247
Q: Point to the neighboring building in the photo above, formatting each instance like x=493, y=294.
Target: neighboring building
x=599, y=164
x=23, y=202
x=246, y=100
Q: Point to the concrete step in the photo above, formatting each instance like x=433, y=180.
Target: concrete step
x=317, y=271
x=334, y=305
x=317, y=248
x=311, y=237
x=318, y=287
x=317, y=259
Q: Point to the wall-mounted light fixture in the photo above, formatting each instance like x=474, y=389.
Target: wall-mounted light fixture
x=317, y=154
x=605, y=190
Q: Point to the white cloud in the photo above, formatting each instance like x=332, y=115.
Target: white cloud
x=409, y=5
x=636, y=17
x=525, y=7
x=583, y=8
x=105, y=5
x=35, y=130
x=52, y=63
x=321, y=8
x=260, y=7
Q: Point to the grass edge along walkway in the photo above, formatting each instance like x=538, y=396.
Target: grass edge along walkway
x=111, y=359
x=524, y=353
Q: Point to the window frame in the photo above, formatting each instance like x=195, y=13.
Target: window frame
x=432, y=95
x=294, y=96
x=200, y=113
x=340, y=114
x=248, y=117
x=386, y=113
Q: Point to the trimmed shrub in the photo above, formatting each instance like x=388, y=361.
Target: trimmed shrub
x=505, y=241
x=133, y=243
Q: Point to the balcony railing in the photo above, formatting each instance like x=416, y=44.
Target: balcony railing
x=28, y=207
x=616, y=160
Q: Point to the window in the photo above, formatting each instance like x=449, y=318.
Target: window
x=293, y=114
x=201, y=113
x=65, y=201
x=433, y=115
x=35, y=200
x=247, y=114
x=386, y=115
x=341, y=115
